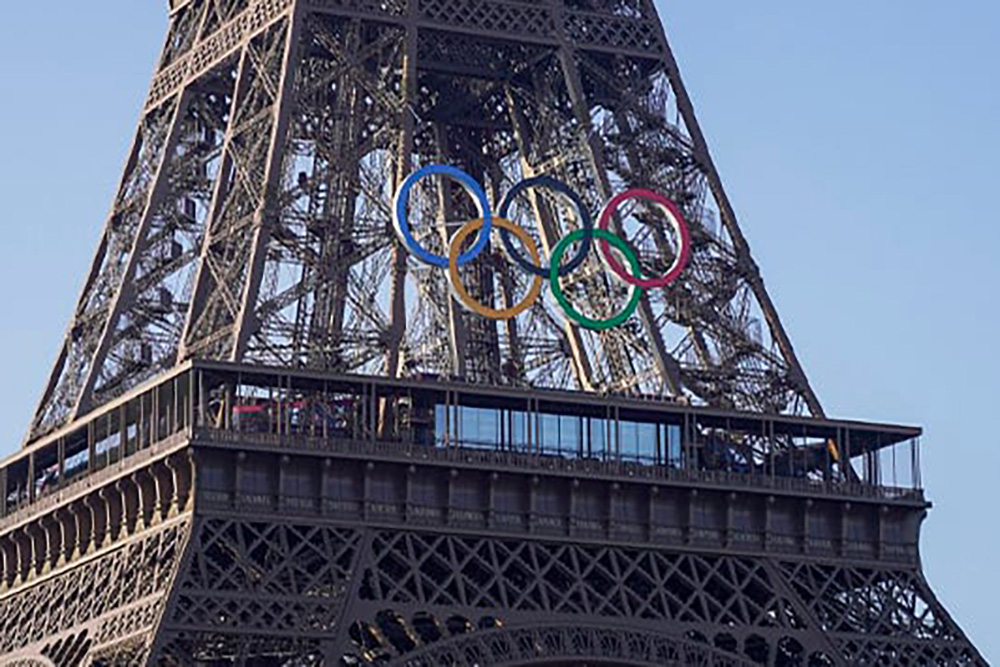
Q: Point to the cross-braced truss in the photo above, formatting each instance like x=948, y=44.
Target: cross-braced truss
x=232, y=589
x=253, y=224
x=253, y=221
x=309, y=593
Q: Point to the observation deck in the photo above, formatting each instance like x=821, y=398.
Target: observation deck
x=429, y=451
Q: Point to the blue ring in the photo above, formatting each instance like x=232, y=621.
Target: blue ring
x=402, y=224
x=586, y=225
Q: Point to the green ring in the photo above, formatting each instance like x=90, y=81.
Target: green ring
x=586, y=322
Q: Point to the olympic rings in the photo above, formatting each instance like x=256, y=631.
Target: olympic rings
x=586, y=222
x=484, y=224
x=572, y=313
x=676, y=220
x=403, y=226
x=456, y=281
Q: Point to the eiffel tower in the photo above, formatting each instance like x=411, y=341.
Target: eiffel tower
x=272, y=437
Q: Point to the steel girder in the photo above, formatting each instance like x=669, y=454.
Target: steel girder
x=312, y=593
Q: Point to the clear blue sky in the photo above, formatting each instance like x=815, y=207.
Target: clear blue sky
x=857, y=139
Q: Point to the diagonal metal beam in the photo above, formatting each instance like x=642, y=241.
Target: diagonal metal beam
x=729, y=219
x=203, y=276
x=669, y=368
x=283, y=107
x=144, y=135
x=397, y=290
x=127, y=290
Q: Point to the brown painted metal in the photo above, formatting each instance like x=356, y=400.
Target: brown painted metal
x=270, y=436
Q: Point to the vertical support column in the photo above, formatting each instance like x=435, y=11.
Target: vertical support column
x=397, y=290
x=692, y=525
x=24, y=555
x=458, y=330
x=61, y=462
x=549, y=233
x=176, y=418
x=324, y=486
x=491, y=514
x=70, y=534
x=683, y=449
x=122, y=431
x=727, y=539
x=98, y=522
x=92, y=442
x=769, y=522
x=39, y=544
x=806, y=512
x=845, y=513
x=239, y=483
x=84, y=530
x=366, y=494
x=327, y=322
x=283, y=463
x=8, y=547
x=140, y=427
x=31, y=478
x=397, y=294
x=651, y=524
x=152, y=418
x=113, y=506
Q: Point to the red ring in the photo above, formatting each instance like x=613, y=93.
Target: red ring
x=676, y=217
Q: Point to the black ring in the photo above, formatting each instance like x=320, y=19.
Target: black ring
x=586, y=223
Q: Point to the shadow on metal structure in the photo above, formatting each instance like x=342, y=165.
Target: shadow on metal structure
x=272, y=439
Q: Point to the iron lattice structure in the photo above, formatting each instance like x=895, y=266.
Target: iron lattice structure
x=271, y=438
x=253, y=221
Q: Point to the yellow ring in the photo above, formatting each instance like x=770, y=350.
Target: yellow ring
x=456, y=281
